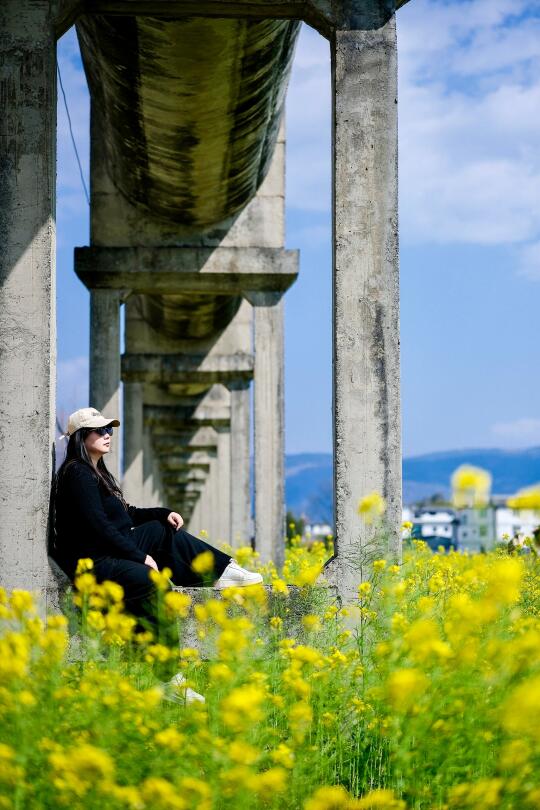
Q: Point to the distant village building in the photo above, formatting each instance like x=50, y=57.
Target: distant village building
x=472, y=530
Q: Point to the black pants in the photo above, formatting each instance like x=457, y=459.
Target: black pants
x=169, y=548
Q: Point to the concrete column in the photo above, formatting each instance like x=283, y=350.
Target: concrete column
x=133, y=443
x=269, y=424
x=27, y=290
x=240, y=503
x=367, y=425
x=148, y=468
x=223, y=483
x=105, y=362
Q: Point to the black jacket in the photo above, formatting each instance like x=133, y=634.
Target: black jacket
x=89, y=522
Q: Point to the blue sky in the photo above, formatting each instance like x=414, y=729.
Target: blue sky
x=469, y=135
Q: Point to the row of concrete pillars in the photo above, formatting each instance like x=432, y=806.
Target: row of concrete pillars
x=199, y=462
x=366, y=406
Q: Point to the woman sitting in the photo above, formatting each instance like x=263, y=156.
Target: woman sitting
x=92, y=520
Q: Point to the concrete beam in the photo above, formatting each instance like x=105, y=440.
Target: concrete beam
x=169, y=270
x=367, y=424
x=65, y=15
x=324, y=15
x=184, y=418
x=184, y=369
x=203, y=440
x=185, y=475
x=27, y=290
x=180, y=460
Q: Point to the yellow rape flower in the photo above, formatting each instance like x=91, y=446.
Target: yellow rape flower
x=311, y=623
x=83, y=565
x=283, y=755
x=300, y=719
x=482, y=795
x=170, y=738
x=268, y=783
x=371, y=507
x=379, y=800
x=159, y=794
x=528, y=498
x=329, y=798
x=203, y=563
x=21, y=602
x=521, y=710
x=470, y=486
x=280, y=587
x=404, y=686
x=242, y=752
x=161, y=578
x=220, y=672
x=243, y=707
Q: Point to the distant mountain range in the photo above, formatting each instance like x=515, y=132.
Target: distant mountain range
x=308, y=476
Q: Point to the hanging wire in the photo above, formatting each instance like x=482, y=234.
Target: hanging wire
x=72, y=136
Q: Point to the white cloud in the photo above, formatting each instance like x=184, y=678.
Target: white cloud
x=529, y=261
x=469, y=128
x=518, y=433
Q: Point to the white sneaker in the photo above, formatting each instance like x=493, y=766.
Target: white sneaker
x=175, y=691
x=235, y=576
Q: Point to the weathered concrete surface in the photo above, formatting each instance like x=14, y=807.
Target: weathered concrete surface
x=27, y=290
x=202, y=439
x=291, y=608
x=269, y=425
x=133, y=443
x=105, y=364
x=240, y=500
x=325, y=16
x=187, y=368
x=367, y=428
x=215, y=271
x=189, y=133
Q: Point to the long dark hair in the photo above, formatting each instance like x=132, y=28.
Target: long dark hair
x=77, y=453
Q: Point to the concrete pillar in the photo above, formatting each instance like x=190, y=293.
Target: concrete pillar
x=133, y=443
x=240, y=502
x=269, y=425
x=223, y=484
x=367, y=425
x=105, y=362
x=27, y=290
x=148, y=468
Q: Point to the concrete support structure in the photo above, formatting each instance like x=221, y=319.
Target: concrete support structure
x=105, y=362
x=240, y=500
x=269, y=427
x=27, y=289
x=367, y=438
x=133, y=442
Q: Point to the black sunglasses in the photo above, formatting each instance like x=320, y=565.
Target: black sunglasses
x=102, y=431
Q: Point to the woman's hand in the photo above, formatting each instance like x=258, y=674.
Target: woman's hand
x=176, y=520
x=151, y=563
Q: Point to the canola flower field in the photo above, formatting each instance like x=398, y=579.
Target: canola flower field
x=423, y=693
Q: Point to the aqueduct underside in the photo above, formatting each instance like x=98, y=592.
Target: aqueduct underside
x=187, y=177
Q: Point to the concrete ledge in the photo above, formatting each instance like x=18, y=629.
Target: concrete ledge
x=323, y=15
x=169, y=270
x=202, y=416
x=291, y=609
x=163, y=369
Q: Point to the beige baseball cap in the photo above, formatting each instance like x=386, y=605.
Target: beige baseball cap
x=87, y=418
